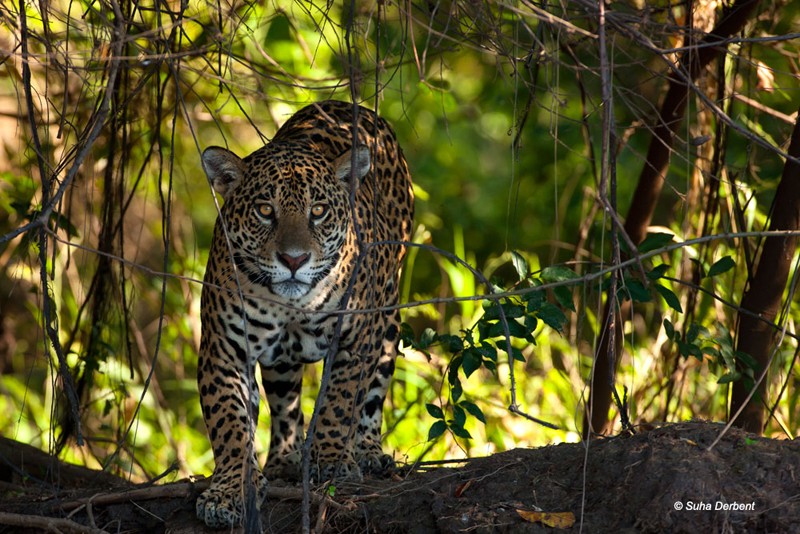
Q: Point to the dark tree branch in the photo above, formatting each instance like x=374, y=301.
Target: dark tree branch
x=764, y=297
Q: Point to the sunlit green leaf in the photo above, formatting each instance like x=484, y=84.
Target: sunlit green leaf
x=427, y=338
x=435, y=411
x=531, y=323
x=456, y=390
x=459, y=415
x=692, y=333
x=669, y=297
x=669, y=329
x=451, y=343
x=552, y=316
x=722, y=265
x=520, y=264
x=636, y=290
x=460, y=431
x=727, y=378
x=474, y=410
x=563, y=295
x=487, y=351
x=436, y=430
x=655, y=241
x=472, y=361
x=535, y=300
x=558, y=273
x=452, y=371
x=510, y=309
x=658, y=271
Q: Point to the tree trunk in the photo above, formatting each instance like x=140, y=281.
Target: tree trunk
x=648, y=190
x=763, y=298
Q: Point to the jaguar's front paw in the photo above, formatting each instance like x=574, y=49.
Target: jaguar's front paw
x=376, y=463
x=223, y=503
x=371, y=458
x=336, y=470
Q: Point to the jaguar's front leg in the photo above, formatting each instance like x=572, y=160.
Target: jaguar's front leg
x=283, y=385
x=368, y=450
x=337, y=422
x=229, y=399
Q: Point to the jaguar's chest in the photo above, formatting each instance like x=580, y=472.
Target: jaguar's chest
x=277, y=334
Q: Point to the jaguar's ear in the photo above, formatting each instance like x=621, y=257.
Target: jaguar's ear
x=223, y=168
x=344, y=164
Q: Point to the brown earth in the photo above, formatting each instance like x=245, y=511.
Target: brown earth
x=634, y=483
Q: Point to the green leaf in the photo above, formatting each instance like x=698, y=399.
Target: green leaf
x=452, y=371
x=459, y=416
x=670, y=298
x=520, y=264
x=669, y=329
x=729, y=377
x=535, y=300
x=515, y=329
x=487, y=351
x=472, y=361
x=511, y=311
x=695, y=351
x=456, y=391
x=531, y=323
x=435, y=411
x=558, y=273
x=658, y=271
x=636, y=290
x=436, y=430
x=460, y=431
x=694, y=331
x=451, y=343
x=746, y=360
x=427, y=338
x=552, y=316
x=474, y=411
x=684, y=348
x=727, y=356
x=407, y=335
x=564, y=297
x=723, y=265
x=655, y=241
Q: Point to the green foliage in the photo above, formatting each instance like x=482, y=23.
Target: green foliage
x=507, y=325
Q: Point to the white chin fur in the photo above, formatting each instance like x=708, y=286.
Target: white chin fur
x=291, y=289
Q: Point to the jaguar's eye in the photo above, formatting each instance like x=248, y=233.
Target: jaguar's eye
x=265, y=210
x=318, y=211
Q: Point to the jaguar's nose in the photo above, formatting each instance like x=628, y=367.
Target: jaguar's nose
x=293, y=263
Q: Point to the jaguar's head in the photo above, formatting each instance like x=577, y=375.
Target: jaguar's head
x=286, y=212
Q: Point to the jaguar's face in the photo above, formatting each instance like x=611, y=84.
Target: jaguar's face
x=287, y=213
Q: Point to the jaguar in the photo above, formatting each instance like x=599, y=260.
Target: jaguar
x=304, y=266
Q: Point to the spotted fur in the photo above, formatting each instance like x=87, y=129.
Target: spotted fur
x=286, y=247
